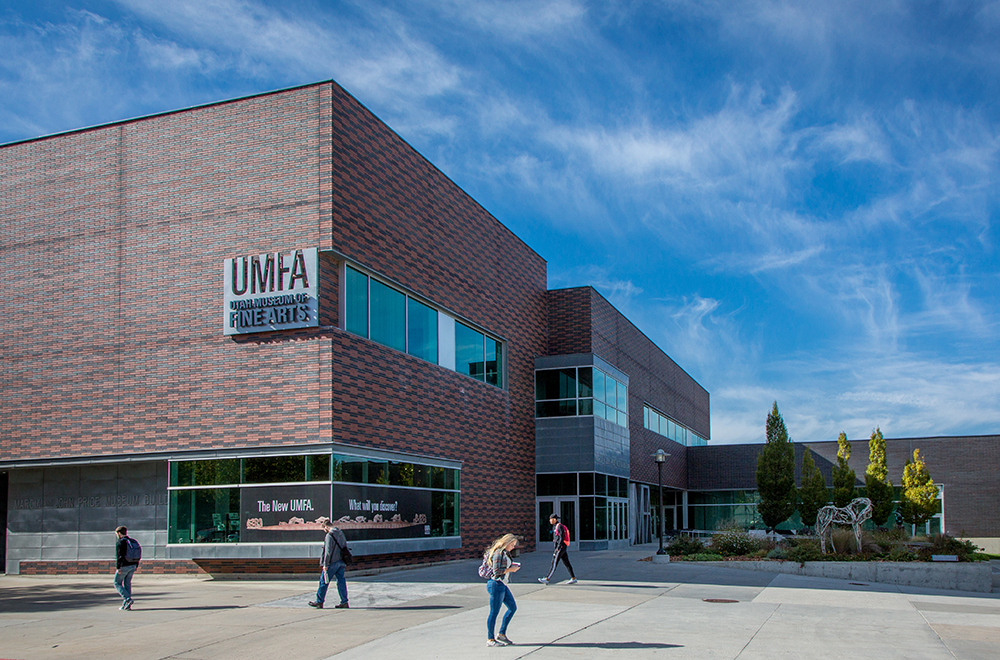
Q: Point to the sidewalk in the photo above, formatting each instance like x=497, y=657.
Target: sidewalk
x=621, y=608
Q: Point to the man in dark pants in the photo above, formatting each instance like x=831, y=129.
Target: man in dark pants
x=332, y=564
x=124, y=567
x=560, y=541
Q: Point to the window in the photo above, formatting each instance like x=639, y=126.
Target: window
x=382, y=313
x=580, y=391
x=357, y=302
x=388, y=316
x=234, y=500
x=657, y=422
x=422, y=329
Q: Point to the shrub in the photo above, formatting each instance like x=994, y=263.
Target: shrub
x=889, y=539
x=778, y=553
x=735, y=542
x=902, y=553
x=942, y=544
x=703, y=556
x=804, y=550
x=680, y=545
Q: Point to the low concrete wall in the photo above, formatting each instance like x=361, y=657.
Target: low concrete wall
x=971, y=576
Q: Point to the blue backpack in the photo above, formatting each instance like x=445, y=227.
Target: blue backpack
x=133, y=551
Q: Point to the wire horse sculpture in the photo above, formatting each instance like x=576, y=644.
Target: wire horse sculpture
x=855, y=513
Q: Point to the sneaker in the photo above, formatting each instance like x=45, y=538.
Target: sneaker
x=342, y=606
x=571, y=581
x=123, y=606
x=316, y=604
x=493, y=642
x=502, y=638
x=543, y=580
x=128, y=604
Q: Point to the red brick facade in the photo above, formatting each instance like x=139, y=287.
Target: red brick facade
x=119, y=233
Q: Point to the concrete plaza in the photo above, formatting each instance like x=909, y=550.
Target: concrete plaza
x=622, y=608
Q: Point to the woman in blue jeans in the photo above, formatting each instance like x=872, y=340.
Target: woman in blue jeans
x=501, y=566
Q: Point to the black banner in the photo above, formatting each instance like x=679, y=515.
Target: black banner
x=283, y=514
x=381, y=512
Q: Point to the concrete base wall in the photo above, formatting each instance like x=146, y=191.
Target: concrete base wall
x=977, y=576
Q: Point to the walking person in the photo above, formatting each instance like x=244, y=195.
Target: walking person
x=128, y=552
x=497, y=556
x=560, y=550
x=332, y=563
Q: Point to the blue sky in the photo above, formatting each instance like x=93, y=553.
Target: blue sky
x=797, y=201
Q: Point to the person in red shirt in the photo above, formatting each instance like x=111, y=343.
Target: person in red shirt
x=560, y=551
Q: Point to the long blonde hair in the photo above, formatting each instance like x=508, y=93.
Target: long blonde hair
x=496, y=545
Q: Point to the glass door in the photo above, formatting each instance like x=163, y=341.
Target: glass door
x=566, y=507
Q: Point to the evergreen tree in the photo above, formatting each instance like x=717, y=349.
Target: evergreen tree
x=843, y=476
x=877, y=486
x=813, y=495
x=918, y=503
x=776, y=473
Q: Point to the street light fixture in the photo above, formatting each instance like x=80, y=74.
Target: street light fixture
x=660, y=457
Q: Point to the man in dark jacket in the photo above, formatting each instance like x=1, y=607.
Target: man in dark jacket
x=124, y=567
x=560, y=541
x=333, y=564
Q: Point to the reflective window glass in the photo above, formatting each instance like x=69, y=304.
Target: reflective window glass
x=357, y=302
x=494, y=362
x=600, y=410
x=586, y=483
x=388, y=316
x=587, y=406
x=204, y=516
x=611, y=397
x=274, y=469
x=422, y=327
x=599, y=385
x=622, y=419
x=555, y=384
x=205, y=473
x=623, y=397
x=469, y=352
x=585, y=376
x=318, y=467
x=586, y=518
x=564, y=408
x=645, y=417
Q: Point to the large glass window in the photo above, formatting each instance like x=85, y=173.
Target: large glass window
x=388, y=316
x=573, y=391
x=357, y=302
x=209, y=515
x=422, y=328
x=470, y=352
x=273, y=498
x=657, y=422
x=384, y=314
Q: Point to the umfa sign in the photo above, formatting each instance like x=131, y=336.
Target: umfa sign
x=274, y=291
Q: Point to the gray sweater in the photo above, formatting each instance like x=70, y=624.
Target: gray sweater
x=331, y=551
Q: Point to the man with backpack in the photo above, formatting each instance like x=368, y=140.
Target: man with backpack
x=333, y=562
x=128, y=552
x=560, y=551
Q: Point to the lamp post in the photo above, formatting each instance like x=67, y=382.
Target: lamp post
x=660, y=457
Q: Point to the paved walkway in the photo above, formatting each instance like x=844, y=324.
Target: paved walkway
x=622, y=608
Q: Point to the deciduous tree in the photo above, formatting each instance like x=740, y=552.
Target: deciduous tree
x=843, y=475
x=918, y=502
x=877, y=486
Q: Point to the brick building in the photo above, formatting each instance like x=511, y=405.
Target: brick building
x=253, y=313
x=233, y=319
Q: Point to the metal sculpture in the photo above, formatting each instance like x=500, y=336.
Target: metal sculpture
x=855, y=513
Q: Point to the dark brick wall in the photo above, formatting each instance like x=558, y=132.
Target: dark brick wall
x=119, y=235
x=582, y=321
x=965, y=465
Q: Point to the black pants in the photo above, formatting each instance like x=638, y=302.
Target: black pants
x=564, y=556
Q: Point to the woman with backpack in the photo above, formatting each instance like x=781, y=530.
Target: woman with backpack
x=498, y=566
